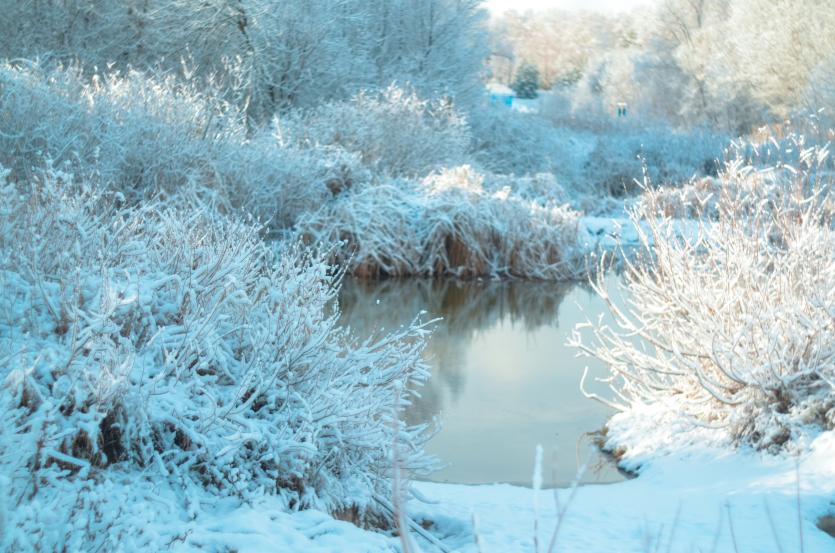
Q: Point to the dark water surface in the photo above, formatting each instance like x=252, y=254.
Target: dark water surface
x=503, y=379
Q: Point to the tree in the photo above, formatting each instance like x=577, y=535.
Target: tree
x=527, y=81
x=265, y=55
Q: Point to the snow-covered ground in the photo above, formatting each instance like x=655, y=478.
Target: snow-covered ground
x=698, y=499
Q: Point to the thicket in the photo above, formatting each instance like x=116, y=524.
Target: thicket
x=451, y=223
x=171, y=339
x=732, y=326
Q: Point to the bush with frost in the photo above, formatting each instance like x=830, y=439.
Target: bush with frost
x=731, y=327
x=394, y=131
x=170, y=339
x=143, y=135
x=622, y=158
x=507, y=141
x=758, y=171
x=446, y=224
x=265, y=55
x=131, y=131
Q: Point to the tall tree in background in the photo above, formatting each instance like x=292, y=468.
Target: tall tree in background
x=729, y=65
x=270, y=54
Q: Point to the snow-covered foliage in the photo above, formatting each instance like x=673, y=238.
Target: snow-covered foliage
x=394, y=132
x=623, y=157
x=264, y=55
x=134, y=132
x=172, y=340
x=757, y=171
x=450, y=223
x=506, y=141
x=732, y=328
x=143, y=136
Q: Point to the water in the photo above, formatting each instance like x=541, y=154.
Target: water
x=503, y=380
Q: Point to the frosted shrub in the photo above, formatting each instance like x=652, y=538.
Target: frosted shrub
x=174, y=340
x=131, y=132
x=265, y=55
x=740, y=187
x=143, y=136
x=620, y=158
x=446, y=224
x=732, y=328
x=758, y=172
x=506, y=141
x=540, y=187
x=394, y=132
x=278, y=183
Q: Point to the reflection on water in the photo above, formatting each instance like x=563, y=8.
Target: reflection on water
x=503, y=380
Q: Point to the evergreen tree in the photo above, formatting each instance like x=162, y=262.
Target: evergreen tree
x=527, y=81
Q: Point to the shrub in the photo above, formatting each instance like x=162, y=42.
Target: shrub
x=620, y=159
x=757, y=172
x=507, y=141
x=174, y=340
x=446, y=224
x=394, y=132
x=731, y=328
x=263, y=55
x=143, y=136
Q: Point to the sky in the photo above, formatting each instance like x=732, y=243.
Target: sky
x=606, y=6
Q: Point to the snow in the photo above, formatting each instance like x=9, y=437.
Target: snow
x=682, y=501
x=687, y=497
x=499, y=88
x=265, y=526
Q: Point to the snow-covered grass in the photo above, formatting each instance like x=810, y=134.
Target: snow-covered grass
x=506, y=141
x=758, y=171
x=624, y=155
x=166, y=343
x=450, y=224
x=732, y=329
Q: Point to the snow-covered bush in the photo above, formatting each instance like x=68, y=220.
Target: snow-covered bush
x=446, y=224
x=507, y=141
x=394, y=132
x=132, y=132
x=265, y=55
x=733, y=327
x=172, y=340
x=143, y=136
x=540, y=187
x=757, y=172
x=621, y=158
x=743, y=188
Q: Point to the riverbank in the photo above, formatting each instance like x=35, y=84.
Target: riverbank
x=699, y=499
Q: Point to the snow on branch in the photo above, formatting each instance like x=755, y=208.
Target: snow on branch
x=172, y=339
x=734, y=327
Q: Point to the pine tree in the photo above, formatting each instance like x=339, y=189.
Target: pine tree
x=527, y=81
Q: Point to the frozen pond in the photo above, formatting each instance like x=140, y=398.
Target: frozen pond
x=503, y=380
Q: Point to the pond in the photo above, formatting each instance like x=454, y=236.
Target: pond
x=503, y=379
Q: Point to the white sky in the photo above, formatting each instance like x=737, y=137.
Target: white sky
x=606, y=6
